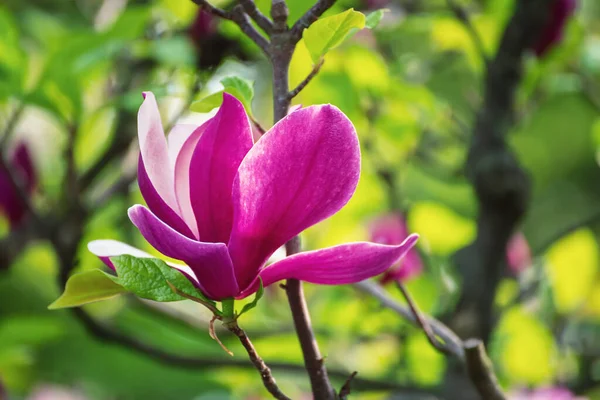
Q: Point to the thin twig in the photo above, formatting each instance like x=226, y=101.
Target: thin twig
x=212, y=9
x=481, y=371
x=423, y=323
x=453, y=342
x=309, y=17
x=306, y=80
x=241, y=19
x=257, y=361
x=258, y=17
x=463, y=16
x=346, y=388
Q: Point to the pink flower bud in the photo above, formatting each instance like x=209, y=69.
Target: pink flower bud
x=391, y=229
x=518, y=253
x=552, y=33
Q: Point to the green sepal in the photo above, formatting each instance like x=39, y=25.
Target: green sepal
x=257, y=296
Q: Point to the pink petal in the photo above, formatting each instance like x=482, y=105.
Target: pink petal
x=182, y=178
x=339, y=265
x=154, y=150
x=158, y=206
x=177, y=138
x=300, y=172
x=210, y=262
x=105, y=249
x=217, y=156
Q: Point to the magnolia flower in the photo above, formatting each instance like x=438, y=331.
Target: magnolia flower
x=390, y=229
x=223, y=204
x=552, y=32
x=23, y=170
x=518, y=253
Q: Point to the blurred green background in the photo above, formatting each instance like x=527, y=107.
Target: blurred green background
x=412, y=86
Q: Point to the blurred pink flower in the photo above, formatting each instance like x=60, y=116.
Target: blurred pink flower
x=204, y=25
x=375, y=4
x=224, y=204
x=391, y=229
x=518, y=253
x=22, y=168
x=552, y=33
x=55, y=392
x=547, y=393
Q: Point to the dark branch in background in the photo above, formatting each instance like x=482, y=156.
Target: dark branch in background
x=501, y=185
x=257, y=361
x=480, y=370
x=463, y=16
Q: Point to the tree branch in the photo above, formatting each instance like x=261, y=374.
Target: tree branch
x=241, y=19
x=258, y=362
x=309, y=17
x=501, y=185
x=481, y=371
x=212, y=9
x=258, y=17
x=313, y=361
x=306, y=80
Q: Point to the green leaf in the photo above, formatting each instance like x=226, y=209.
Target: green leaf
x=328, y=33
x=257, y=297
x=241, y=88
x=208, y=103
x=147, y=278
x=87, y=287
x=374, y=18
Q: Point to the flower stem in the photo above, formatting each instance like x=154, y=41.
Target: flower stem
x=258, y=362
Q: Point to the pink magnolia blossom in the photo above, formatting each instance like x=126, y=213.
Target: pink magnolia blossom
x=552, y=32
x=518, y=253
x=23, y=170
x=548, y=393
x=391, y=229
x=223, y=204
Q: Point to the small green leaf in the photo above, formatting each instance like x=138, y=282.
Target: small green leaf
x=374, y=18
x=147, y=278
x=328, y=33
x=208, y=103
x=241, y=88
x=257, y=297
x=87, y=287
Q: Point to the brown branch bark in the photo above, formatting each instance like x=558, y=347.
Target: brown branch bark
x=481, y=371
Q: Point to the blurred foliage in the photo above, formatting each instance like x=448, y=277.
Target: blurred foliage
x=411, y=86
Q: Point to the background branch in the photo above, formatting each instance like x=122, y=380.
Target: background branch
x=501, y=185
